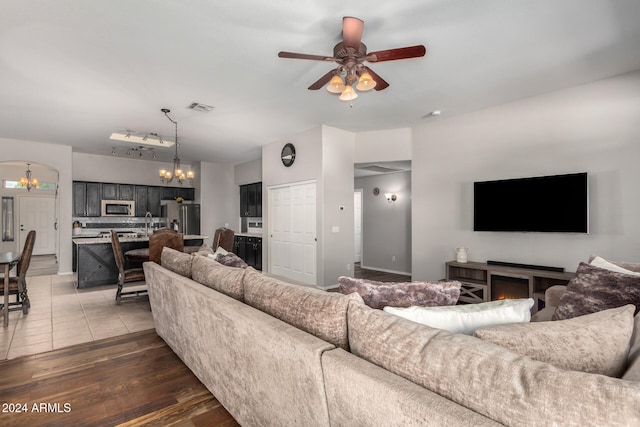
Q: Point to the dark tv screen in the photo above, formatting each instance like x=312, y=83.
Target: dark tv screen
x=558, y=203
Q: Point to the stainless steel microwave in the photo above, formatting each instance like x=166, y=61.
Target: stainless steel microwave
x=118, y=208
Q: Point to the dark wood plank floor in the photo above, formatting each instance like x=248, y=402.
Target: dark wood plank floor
x=131, y=380
x=379, y=276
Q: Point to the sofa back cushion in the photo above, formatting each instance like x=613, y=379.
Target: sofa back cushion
x=491, y=380
x=228, y=280
x=323, y=314
x=597, y=343
x=176, y=261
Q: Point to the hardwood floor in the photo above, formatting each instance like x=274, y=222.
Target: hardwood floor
x=130, y=380
x=379, y=276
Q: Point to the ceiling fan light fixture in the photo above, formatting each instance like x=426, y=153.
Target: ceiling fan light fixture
x=348, y=94
x=336, y=85
x=366, y=82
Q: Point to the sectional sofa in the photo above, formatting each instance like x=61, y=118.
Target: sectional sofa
x=280, y=354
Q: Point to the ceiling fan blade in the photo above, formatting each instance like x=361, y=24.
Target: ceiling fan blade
x=352, y=31
x=399, y=53
x=305, y=56
x=322, y=80
x=381, y=84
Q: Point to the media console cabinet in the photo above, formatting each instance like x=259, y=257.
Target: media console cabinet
x=485, y=282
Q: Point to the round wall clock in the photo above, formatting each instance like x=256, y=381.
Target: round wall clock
x=288, y=154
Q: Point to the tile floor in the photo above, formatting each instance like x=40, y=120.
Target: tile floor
x=62, y=315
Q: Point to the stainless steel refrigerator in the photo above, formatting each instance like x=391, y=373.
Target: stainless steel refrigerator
x=187, y=215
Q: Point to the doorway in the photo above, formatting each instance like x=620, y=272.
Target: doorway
x=292, y=231
x=39, y=213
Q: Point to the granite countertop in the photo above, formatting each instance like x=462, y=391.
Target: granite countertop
x=93, y=240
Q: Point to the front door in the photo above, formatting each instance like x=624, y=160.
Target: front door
x=39, y=214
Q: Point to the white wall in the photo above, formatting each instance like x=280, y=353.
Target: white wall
x=325, y=155
x=383, y=145
x=338, y=226
x=248, y=173
x=59, y=158
x=123, y=170
x=219, y=198
x=592, y=128
x=386, y=227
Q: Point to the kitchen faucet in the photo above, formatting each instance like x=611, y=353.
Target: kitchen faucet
x=146, y=225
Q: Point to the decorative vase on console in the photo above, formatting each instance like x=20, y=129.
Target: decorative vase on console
x=462, y=254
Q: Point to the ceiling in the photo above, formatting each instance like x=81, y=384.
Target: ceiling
x=73, y=72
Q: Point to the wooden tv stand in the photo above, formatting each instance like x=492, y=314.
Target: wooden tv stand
x=477, y=279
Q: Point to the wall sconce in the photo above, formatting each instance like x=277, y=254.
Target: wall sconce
x=390, y=197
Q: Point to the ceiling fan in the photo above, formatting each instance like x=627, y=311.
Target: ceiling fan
x=350, y=55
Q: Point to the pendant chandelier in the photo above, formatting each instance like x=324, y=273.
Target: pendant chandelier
x=28, y=182
x=167, y=176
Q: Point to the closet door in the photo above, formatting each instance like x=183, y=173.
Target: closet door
x=292, y=232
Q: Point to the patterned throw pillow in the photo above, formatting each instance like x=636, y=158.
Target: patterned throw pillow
x=595, y=289
x=393, y=294
x=231, y=260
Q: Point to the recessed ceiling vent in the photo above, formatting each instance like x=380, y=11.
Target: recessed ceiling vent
x=203, y=108
x=379, y=169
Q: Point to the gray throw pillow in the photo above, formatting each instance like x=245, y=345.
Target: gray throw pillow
x=595, y=289
x=393, y=294
x=231, y=260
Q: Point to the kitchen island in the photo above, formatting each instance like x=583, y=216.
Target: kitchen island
x=95, y=265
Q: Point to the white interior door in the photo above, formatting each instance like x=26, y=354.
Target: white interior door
x=39, y=214
x=292, y=223
x=357, y=222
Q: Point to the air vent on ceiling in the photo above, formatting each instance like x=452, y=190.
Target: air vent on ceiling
x=203, y=108
x=379, y=169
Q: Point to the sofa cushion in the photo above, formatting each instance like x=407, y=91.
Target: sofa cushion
x=633, y=366
x=228, y=280
x=396, y=294
x=176, y=261
x=603, y=263
x=489, y=379
x=595, y=289
x=323, y=314
x=464, y=319
x=597, y=342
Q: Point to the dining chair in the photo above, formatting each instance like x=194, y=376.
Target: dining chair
x=125, y=276
x=223, y=238
x=18, y=284
x=164, y=237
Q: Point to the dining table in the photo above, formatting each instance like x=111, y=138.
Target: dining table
x=7, y=260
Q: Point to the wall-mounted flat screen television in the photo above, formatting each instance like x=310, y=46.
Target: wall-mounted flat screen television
x=558, y=203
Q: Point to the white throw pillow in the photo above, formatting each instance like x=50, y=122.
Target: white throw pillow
x=603, y=263
x=465, y=319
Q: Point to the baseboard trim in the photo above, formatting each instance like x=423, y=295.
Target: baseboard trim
x=327, y=287
x=384, y=270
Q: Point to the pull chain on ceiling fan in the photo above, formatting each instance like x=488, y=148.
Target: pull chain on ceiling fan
x=350, y=55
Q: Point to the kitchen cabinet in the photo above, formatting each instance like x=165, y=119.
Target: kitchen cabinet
x=140, y=192
x=154, y=195
x=171, y=193
x=249, y=248
x=111, y=191
x=251, y=200
x=88, y=196
x=125, y=192
x=86, y=199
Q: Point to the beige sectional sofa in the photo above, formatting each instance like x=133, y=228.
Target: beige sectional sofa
x=276, y=353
